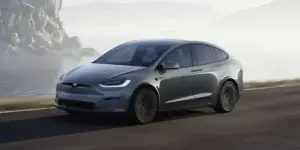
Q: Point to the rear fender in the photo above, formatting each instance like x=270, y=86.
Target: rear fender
x=216, y=94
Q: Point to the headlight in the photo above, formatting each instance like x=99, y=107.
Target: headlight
x=115, y=83
x=61, y=78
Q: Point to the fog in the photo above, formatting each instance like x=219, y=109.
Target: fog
x=261, y=33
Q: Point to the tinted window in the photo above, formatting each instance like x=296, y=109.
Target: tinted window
x=181, y=55
x=205, y=54
x=221, y=55
x=134, y=54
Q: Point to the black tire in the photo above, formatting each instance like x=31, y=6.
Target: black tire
x=143, y=107
x=227, y=98
x=75, y=113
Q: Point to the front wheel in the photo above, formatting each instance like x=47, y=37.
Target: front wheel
x=144, y=106
x=74, y=113
x=227, y=98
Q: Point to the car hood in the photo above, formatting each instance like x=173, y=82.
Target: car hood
x=92, y=74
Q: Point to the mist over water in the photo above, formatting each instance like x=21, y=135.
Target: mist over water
x=26, y=76
x=264, y=38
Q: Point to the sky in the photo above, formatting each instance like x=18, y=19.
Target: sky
x=261, y=44
x=225, y=6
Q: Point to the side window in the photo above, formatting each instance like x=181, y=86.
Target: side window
x=221, y=55
x=205, y=54
x=181, y=55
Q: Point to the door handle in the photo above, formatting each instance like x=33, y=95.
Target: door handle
x=197, y=70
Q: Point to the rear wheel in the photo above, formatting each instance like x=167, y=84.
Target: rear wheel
x=143, y=108
x=227, y=98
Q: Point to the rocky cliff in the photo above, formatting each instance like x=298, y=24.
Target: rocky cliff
x=34, y=47
x=34, y=26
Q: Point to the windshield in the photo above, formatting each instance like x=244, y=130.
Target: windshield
x=134, y=54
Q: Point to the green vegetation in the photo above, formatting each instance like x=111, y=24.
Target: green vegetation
x=262, y=84
x=14, y=104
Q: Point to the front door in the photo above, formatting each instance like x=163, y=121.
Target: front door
x=177, y=85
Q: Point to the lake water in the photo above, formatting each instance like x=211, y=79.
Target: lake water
x=32, y=76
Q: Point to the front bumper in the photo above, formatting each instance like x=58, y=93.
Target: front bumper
x=92, y=103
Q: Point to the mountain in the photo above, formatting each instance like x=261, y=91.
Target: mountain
x=277, y=13
x=115, y=13
x=276, y=22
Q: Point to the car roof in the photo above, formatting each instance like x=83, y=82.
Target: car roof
x=172, y=42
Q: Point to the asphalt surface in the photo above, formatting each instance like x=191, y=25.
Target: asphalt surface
x=262, y=120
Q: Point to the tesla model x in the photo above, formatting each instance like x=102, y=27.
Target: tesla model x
x=144, y=77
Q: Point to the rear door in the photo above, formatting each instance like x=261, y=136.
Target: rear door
x=176, y=86
x=204, y=72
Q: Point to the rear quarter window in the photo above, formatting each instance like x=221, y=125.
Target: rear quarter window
x=205, y=54
x=220, y=55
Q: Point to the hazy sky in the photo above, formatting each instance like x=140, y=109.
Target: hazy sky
x=252, y=42
x=226, y=6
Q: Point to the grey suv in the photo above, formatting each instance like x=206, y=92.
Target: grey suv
x=144, y=77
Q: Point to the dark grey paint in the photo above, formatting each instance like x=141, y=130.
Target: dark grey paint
x=191, y=87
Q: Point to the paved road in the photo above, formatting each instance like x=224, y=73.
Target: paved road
x=263, y=120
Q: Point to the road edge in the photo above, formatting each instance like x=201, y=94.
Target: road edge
x=49, y=108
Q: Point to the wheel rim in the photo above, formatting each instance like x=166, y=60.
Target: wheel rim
x=146, y=107
x=228, y=97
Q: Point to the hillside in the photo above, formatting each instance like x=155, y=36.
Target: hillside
x=277, y=13
x=139, y=10
x=115, y=13
x=277, y=21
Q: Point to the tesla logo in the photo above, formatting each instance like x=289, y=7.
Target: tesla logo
x=74, y=85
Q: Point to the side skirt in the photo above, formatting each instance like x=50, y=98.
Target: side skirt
x=190, y=102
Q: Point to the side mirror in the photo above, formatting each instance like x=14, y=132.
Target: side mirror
x=170, y=66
